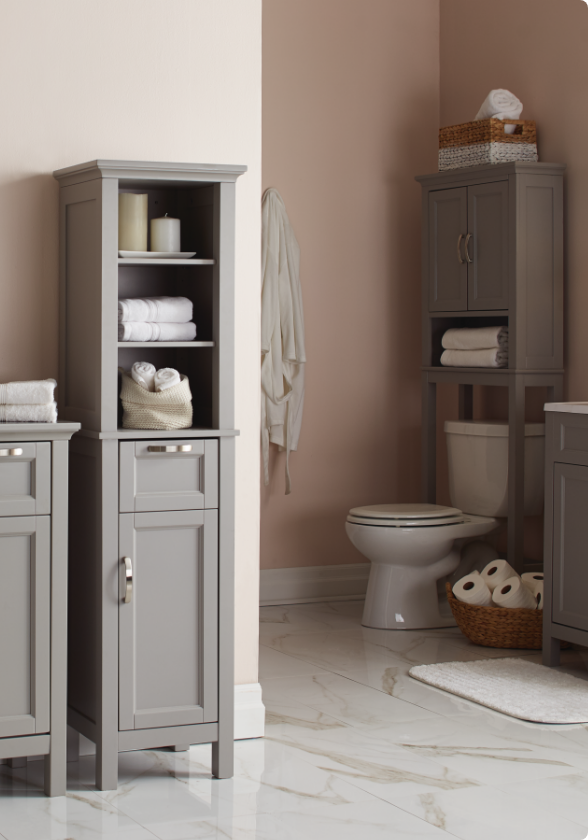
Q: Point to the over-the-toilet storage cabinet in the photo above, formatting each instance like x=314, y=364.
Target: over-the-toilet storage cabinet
x=492, y=254
x=33, y=585
x=151, y=512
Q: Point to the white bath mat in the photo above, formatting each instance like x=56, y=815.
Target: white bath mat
x=514, y=687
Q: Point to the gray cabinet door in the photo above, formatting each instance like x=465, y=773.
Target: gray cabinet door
x=570, y=546
x=488, y=246
x=25, y=569
x=448, y=270
x=168, y=633
x=25, y=479
x=184, y=476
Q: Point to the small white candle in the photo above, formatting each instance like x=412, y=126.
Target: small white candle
x=132, y=222
x=165, y=234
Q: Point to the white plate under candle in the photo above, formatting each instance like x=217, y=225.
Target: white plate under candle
x=157, y=255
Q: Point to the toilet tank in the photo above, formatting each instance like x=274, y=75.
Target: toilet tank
x=478, y=466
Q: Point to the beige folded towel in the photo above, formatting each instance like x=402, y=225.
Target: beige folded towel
x=479, y=338
x=475, y=358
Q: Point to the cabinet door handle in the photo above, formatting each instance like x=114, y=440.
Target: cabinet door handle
x=6, y=453
x=467, y=250
x=128, y=579
x=459, y=256
x=185, y=448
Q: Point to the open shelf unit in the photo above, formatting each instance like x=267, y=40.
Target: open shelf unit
x=156, y=669
x=492, y=255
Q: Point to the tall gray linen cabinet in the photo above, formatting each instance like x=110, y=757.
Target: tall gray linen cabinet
x=151, y=581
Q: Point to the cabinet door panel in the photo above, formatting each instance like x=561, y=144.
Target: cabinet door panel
x=172, y=480
x=168, y=633
x=24, y=625
x=25, y=479
x=488, y=248
x=570, y=546
x=448, y=219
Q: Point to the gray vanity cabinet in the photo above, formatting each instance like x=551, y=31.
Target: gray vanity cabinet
x=168, y=616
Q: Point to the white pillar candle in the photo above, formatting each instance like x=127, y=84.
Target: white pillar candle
x=165, y=234
x=132, y=222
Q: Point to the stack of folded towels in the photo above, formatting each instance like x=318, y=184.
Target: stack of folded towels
x=28, y=402
x=481, y=347
x=154, y=380
x=498, y=585
x=155, y=319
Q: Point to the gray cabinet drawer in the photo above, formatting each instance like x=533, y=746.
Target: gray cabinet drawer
x=570, y=438
x=25, y=479
x=183, y=477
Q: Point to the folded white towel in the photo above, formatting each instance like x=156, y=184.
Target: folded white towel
x=479, y=338
x=35, y=392
x=166, y=378
x=29, y=413
x=172, y=310
x=502, y=105
x=148, y=331
x=492, y=357
x=144, y=375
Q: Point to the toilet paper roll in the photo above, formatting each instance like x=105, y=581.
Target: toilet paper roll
x=471, y=589
x=538, y=593
x=531, y=578
x=513, y=593
x=496, y=572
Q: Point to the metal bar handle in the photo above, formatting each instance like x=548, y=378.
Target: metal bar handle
x=128, y=579
x=459, y=256
x=467, y=251
x=185, y=448
x=6, y=453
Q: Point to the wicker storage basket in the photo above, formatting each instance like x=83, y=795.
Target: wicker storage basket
x=169, y=409
x=498, y=628
x=485, y=141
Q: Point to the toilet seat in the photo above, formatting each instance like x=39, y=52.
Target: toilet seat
x=406, y=516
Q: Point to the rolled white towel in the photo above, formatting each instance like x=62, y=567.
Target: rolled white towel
x=490, y=358
x=501, y=104
x=35, y=392
x=166, y=378
x=144, y=375
x=172, y=310
x=496, y=572
x=471, y=589
x=29, y=413
x=481, y=338
x=151, y=331
x=513, y=593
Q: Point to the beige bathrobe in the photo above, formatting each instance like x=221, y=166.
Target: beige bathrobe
x=282, y=333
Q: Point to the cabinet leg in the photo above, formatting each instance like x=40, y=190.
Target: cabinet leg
x=55, y=773
x=73, y=744
x=551, y=652
x=106, y=768
x=516, y=473
x=21, y=761
x=223, y=758
x=429, y=441
x=180, y=747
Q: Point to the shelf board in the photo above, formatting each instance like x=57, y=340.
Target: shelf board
x=152, y=434
x=126, y=261
x=166, y=343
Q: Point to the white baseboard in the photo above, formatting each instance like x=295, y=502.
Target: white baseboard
x=307, y=584
x=249, y=717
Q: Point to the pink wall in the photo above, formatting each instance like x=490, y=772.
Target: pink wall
x=351, y=113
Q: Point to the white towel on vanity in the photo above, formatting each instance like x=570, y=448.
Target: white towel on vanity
x=144, y=375
x=29, y=413
x=173, y=310
x=491, y=357
x=35, y=392
x=150, y=331
x=479, y=338
x=166, y=378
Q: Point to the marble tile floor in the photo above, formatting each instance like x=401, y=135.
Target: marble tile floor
x=354, y=750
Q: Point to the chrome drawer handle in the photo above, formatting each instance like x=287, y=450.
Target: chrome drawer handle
x=128, y=579
x=186, y=448
x=459, y=256
x=467, y=250
x=4, y=453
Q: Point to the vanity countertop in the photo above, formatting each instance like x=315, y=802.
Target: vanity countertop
x=568, y=407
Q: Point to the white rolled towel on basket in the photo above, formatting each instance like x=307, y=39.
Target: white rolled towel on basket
x=166, y=378
x=144, y=375
x=501, y=104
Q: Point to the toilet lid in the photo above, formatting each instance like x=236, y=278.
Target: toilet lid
x=406, y=515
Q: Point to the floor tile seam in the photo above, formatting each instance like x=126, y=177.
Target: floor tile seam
x=298, y=659
x=115, y=809
x=426, y=822
x=366, y=726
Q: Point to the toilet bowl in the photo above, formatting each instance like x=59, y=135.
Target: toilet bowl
x=411, y=546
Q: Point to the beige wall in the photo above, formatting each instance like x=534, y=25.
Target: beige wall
x=144, y=80
x=350, y=115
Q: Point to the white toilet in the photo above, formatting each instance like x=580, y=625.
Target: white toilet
x=412, y=546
